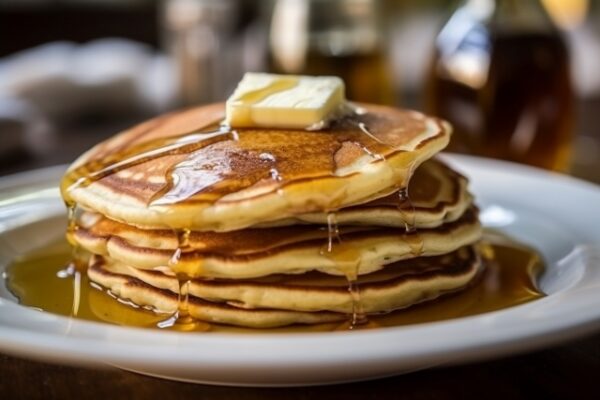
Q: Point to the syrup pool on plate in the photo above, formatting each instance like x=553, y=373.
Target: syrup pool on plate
x=37, y=280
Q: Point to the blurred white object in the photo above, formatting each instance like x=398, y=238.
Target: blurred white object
x=411, y=47
x=584, y=41
x=63, y=78
x=22, y=127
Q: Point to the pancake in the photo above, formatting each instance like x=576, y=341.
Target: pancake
x=184, y=171
x=438, y=194
x=272, y=227
x=283, y=299
x=256, y=252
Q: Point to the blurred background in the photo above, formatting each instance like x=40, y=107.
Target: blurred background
x=518, y=79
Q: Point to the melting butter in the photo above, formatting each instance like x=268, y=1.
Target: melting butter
x=284, y=101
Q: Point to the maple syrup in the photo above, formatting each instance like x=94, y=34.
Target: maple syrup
x=333, y=231
x=38, y=280
x=500, y=76
x=347, y=261
x=181, y=317
x=97, y=169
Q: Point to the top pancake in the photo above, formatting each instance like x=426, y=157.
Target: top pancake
x=184, y=171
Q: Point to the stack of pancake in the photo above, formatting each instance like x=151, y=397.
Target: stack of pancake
x=264, y=228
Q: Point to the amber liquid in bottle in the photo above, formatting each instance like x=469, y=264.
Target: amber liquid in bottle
x=507, y=94
x=366, y=76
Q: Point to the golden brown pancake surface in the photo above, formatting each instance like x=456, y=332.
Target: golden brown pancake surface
x=282, y=299
x=251, y=253
x=437, y=195
x=184, y=171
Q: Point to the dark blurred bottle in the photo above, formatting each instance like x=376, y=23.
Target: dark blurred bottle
x=333, y=37
x=500, y=75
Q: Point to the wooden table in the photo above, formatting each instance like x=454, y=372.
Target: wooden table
x=568, y=371
x=565, y=372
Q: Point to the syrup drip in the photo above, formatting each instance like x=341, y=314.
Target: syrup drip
x=375, y=156
x=76, y=293
x=366, y=131
x=407, y=210
x=333, y=231
x=71, y=223
x=79, y=257
x=415, y=242
x=408, y=214
x=358, y=315
x=71, y=272
x=347, y=261
x=181, y=317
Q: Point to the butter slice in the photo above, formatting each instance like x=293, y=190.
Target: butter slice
x=284, y=101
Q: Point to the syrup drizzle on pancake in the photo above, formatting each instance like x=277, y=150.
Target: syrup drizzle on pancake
x=347, y=260
x=95, y=170
x=79, y=257
x=353, y=258
x=375, y=156
x=365, y=130
x=181, y=316
x=358, y=315
x=183, y=180
x=333, y=231
x=71, y=223
x=407, y=211
x=405, y=206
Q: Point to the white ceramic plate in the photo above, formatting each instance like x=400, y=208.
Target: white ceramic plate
x=559, y=216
